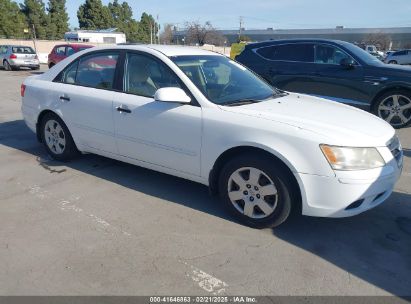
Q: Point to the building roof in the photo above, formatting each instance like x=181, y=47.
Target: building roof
x=337, y=30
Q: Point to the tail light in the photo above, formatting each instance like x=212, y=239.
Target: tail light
x=13, y=56
x=22, y=89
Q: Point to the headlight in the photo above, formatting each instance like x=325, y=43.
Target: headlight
x=349, y=159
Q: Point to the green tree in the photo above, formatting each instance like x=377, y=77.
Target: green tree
x=123, y=20
x=148, y=28
x=58, y=19
x=36, y=16
x=12, y=21
x=94, y=15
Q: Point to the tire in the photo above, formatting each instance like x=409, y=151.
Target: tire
x=271, y=173
x=394, y=107
x=392, y=62
x=6, y=65
x=51, y=65
x=57, y=139
x=35, y=69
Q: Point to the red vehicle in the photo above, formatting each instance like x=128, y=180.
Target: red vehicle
x=62, y=51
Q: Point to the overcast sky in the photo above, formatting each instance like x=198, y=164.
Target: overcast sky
x=224, y=14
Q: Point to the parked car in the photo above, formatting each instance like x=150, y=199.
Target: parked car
x=200, y=116
x=62, y=51
x=400, y=57
x=372, y=49
x=336, y=70
x=14, y=57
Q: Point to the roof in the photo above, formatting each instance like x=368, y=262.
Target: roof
x=167, y=50
x=291, y=40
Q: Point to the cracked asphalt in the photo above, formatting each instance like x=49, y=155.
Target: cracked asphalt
x=95, y=226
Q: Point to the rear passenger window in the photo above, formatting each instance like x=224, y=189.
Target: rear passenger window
x=300, y=52
x=97, y=71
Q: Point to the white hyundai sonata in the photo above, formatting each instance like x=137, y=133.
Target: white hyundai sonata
x=203, y=117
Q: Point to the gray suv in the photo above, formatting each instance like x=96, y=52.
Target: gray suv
x=400, y=57
x=13, y=57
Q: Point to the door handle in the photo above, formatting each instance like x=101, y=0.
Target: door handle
x=64, y=98
x=121, y=110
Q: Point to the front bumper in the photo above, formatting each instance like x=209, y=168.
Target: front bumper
x=349, y=193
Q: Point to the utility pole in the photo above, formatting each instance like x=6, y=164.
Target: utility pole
x=241, y=28
x=151, y=32
x=158, y=29
x=34, y=38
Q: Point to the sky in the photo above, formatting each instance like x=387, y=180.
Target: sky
x=261, y=14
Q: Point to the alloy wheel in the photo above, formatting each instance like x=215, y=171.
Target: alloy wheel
x=252, y=192
x=396, y=110
x=55, y=137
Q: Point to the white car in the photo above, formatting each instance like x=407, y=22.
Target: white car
x=201, y=116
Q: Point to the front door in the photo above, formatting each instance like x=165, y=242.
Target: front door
x=159, y=133
x=336, y=82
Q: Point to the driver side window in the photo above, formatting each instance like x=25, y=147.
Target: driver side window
x=145, y=75
x=327, y=54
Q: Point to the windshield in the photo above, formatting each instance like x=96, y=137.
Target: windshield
x=223, y=81
x=364, y=56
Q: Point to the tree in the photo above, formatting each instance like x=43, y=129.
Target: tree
x=201, y=34
x=380, y=40
x=167, y=36
x=58, y=19
x=93, y=15
x=123, y=20
x=12, y=21
x=35, y=13
x=148, y=29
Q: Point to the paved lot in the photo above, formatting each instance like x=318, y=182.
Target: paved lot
x=95, y=226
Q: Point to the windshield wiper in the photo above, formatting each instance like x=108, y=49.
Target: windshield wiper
x=239, y=102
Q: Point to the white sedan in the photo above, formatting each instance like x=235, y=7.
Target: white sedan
x=203, y=117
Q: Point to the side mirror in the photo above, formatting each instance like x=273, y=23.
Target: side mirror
x=175, y=95
x=348, y=63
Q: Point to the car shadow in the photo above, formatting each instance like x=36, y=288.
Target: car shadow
x=407, y=152
x=374, y=246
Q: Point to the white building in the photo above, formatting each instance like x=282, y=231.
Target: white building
x=100, y=36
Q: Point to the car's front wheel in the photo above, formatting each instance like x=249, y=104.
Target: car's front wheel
x=57, y=138
x=257, y=190
x=395, y=108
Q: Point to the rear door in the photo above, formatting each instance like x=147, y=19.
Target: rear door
x=290, y=66
x=337, y=82
x=59, y=54
x=84, y=94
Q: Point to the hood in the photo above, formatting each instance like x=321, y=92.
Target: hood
x=337, y=123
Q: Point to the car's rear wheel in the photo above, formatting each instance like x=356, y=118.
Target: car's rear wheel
x=257, y=190
x=51, y=65
x=6, y=65
x=392, y=62
x=57, y=138
x=395, y=108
